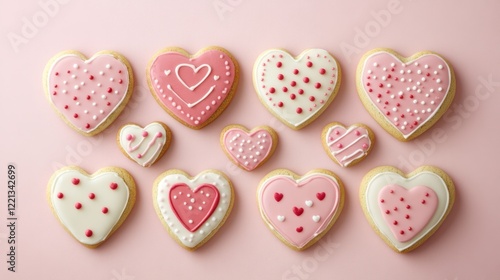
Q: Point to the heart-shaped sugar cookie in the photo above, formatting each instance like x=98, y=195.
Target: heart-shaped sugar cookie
x=406, y=209
x=88, y=94
x=405, y=95
x=144, y=145
x=296, y=90
x=347, y=146
x=299, y=210
x=248, y=149
x=91, y=207
x=192, y=209
x=194, y=89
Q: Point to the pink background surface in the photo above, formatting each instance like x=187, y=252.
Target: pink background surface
x=463, y=144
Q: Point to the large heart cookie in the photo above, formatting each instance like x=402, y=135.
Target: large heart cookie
x=192, y=209
x=194, y=89
x=248, y=149
x=405, y=210
x=347, y=146
x=296, y=90
x=405, y=95
x=144, y=145
x=88, y=94
x=299, y=210
x=91, y=207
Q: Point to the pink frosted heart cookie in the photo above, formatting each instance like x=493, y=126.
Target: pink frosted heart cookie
x=88, y=94
x=193, y=89
x=248, y=149
x=91, y=207
x=406, y=209
x=347, y=146
x=296, y=89
x=299, y=210
x=192, y=209
x=144, y=145
x=405, y=95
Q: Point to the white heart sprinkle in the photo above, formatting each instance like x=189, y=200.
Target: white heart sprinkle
x=281, y=218
x=309, y=203
x=316, y=218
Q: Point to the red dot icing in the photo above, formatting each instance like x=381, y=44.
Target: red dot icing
x=272, y=90
x=280, y=77
x=279, y=64
x=309, y=64
x=299, y=110
x=91, y=195
x=105, y=210
x=322, y=71
x=78, y=205
x=305, y=80
x=113, y=186
x=60, y=195
x=75, y=181
x=88, y=233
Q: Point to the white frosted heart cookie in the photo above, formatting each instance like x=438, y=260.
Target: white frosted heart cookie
x=91, y=207
x=347, y=145
x=299, y=210
x=406, y=209
x=88, y=93
x=248, y=149
x=405, y=95
x=192, y=209
x=144, y=145
x=296, y=89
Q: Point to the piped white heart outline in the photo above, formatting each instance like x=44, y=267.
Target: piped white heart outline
x=192, y=240
x=195, y=70
x=428, y=176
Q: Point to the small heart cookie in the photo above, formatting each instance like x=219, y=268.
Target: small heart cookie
x=405, y=95
x=192, y=209
x=144, y=145
x=91, y=207
x=296, y=90
x=299, y=210
x=248, y=149
x=406, y=209
x=347, y=146
x=193, y=89
x=88, y=94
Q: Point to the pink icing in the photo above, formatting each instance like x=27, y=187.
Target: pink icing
x=407, y=94
x=347, y=145
x=87, y=92
x=192, y=88
x=193, y=207
x=249, y=150
x=407, y=211
x=305, y=208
